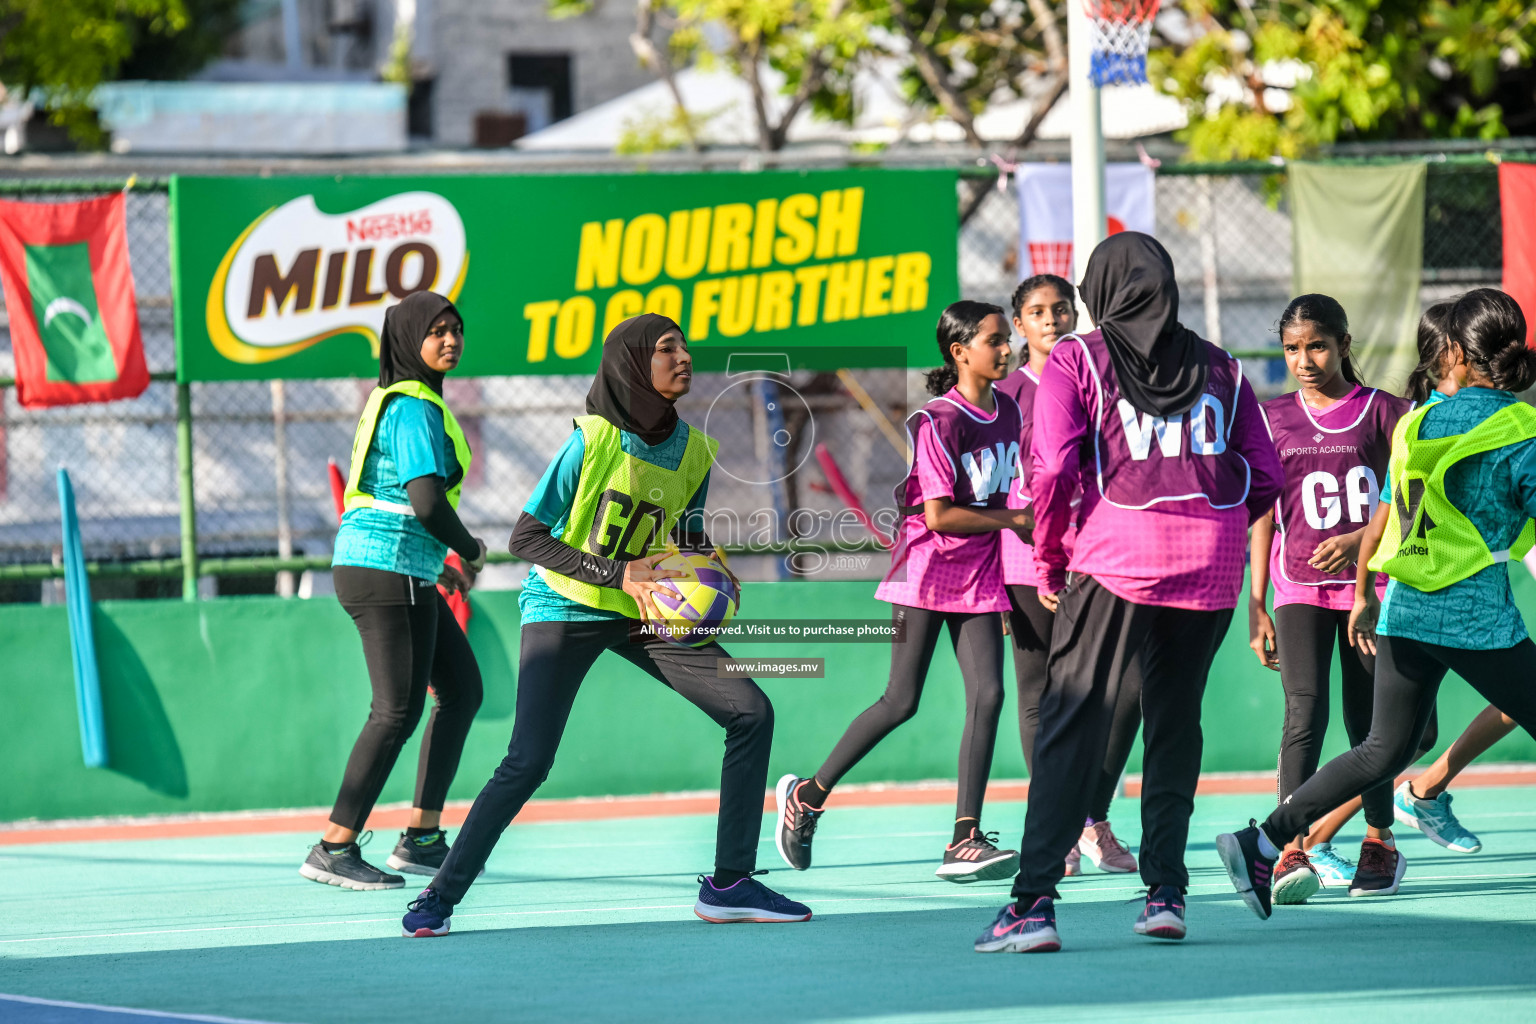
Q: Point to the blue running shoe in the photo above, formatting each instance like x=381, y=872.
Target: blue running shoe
x=426, y=916
x=1333, y=869
x=747, y=900
x=1434, y=819
x=1012, y=932
x=1163, y=916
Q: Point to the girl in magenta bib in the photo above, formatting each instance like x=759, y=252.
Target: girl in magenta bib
x=1044, y=313
x=1333, y=436
x=946, y=571
x=1161, y=436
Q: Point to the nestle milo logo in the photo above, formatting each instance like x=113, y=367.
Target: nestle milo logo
x=297, y=276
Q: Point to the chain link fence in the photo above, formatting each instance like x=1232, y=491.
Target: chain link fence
x=260, y=450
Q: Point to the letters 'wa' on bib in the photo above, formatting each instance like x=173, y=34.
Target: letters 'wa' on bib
x=1428, y=542
x=625, y=507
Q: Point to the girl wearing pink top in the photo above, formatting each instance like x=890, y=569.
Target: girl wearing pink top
x=1161, y=436
x=1333, y=436
x=946, y=570
x=1043, y=312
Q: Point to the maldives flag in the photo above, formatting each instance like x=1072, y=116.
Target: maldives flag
x=69, y=293
x=1517, y=198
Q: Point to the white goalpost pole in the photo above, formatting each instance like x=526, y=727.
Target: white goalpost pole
x=1088, y=216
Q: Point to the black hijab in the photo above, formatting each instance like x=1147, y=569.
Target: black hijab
x=1130, y=293
x=405, y=328
x=622, y=392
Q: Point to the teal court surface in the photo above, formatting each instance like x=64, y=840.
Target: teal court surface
x=592, y=920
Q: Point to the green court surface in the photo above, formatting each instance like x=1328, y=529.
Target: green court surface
x=593, y=921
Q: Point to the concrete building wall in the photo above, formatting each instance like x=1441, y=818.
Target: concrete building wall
x=471, y=40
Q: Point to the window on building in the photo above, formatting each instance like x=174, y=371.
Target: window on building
x=539, y=86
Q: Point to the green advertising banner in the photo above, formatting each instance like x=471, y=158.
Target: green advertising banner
x=290, y=277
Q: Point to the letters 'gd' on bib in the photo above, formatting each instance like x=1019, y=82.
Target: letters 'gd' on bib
x=1436, y=545
x=625, y=507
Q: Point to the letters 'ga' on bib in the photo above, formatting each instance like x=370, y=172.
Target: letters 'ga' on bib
x=1428, y=543
x=368, y=424
x=625, y=507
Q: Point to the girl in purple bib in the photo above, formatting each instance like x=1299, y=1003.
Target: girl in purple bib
x=1159, y=434
x=1044, y=312
x=946, y=570
x=1333, y=436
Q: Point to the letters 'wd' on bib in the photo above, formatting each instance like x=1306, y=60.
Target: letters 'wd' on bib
x=625, y=507
x=1141, y=460
x=1428, y=543
x=368, y=424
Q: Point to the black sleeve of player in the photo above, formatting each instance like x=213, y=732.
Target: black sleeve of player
x=533, y=542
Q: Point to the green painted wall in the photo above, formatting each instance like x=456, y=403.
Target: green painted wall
x=244, y=703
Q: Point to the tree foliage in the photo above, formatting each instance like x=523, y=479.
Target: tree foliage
x=66, y=48
x=963, y=54
x=162, y=51
x=1261, y=79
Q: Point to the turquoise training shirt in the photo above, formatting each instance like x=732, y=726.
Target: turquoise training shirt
x=410, y=442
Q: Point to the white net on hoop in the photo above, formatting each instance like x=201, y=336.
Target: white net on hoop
x=1121, y=32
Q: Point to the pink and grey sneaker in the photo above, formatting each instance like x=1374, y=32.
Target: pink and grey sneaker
x=1074, y=862
x=1108, y=853
x=976, y=859
x=797, y=823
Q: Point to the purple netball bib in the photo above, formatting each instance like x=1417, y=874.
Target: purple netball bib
x=1021, y=385
x=983, y=453
x=1141, y=460
x=1334, y=462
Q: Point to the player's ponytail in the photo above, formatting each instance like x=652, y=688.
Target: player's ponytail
x=1434, y=343
x=1490, y=328
x=1325, y=313
x=958, y=325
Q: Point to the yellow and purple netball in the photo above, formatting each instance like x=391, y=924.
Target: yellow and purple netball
x=705, y=600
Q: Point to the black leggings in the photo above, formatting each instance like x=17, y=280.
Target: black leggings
x=1030, y=626
x=1095, y=639
x=556, y=657
x=410, y=641
x=1305, y=636
x=1408, y=675
x=977, y=638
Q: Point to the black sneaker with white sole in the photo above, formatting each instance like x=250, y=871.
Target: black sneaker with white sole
x=1379, y=870
x=976, y=858
x=419, y=855
x=346, y=868
x=797, y=823
x=1250, y=871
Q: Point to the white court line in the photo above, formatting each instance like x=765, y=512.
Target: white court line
x=162, y=1014
x=657, y=906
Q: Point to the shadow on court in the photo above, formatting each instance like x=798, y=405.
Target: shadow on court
x=839, y=966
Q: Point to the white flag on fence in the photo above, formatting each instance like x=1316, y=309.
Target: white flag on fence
x=1045, y=212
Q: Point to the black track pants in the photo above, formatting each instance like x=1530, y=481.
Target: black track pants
x=1408, y=675
x=1306, y=637
x=1095, y=639
x=1030, y=626
x=410, y=641
x=978, y=642
x=555, y=658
